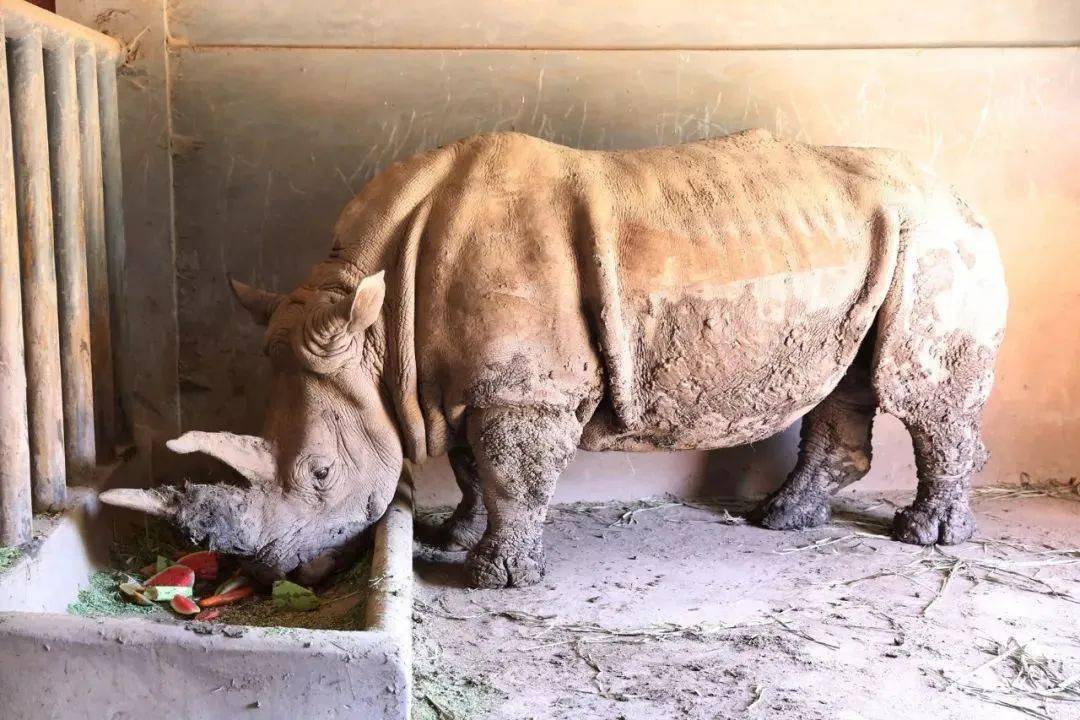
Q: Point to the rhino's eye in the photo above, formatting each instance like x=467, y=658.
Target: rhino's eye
x=320, y=467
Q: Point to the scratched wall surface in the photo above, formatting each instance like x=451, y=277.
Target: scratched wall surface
x=278, y=117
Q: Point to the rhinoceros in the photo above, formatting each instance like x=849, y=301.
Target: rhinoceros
x=506, y=300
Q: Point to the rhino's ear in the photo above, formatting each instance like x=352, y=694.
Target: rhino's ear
x=260, y=303
x=362, y=310
x=331, y=329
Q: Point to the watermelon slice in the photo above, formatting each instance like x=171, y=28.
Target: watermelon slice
x=134, y=592
x=233, y=583
x=184, y=606
x=173, y=576
x=204, y=564
x=161, y=593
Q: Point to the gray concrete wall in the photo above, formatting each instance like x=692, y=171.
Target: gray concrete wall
x=279, y=113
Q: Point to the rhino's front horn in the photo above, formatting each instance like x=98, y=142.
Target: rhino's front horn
x=249, y=455
x=159, y=503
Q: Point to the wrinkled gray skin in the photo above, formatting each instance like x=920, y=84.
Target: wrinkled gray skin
x=539, y=299
x=314, y=487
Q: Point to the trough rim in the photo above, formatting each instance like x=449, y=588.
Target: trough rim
x=387, y=616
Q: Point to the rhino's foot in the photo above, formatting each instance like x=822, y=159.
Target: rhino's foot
x=929, y=522
x=788, y=509
x=500, y=564
x=460, y=533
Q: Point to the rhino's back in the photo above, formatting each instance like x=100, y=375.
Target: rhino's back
x=738, y=208
x=745, y=268
x=740, y=268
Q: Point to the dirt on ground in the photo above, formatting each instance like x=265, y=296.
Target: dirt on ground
x=666, y=609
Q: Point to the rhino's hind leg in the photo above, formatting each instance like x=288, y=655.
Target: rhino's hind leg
x=940, y=329
x=520, y=453
x=947, y=454
x=834, y=451
x=939, y=397
x=464, y=528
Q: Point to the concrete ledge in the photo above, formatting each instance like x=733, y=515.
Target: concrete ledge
x=58, y=665
x=61, y=666
x=57, y=563
x=389, y=607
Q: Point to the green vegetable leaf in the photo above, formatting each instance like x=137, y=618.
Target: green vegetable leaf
x=162, y=562
x=290, y=596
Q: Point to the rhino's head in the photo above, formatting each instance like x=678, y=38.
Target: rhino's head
x=330, y=456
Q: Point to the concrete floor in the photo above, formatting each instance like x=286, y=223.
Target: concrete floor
x=671, y=612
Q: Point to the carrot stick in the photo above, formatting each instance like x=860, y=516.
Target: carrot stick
x=227, y=598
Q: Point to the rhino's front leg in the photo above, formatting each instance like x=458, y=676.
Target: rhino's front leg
x=464, y=528
x=520, y=453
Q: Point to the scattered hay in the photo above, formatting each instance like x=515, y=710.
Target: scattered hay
x=1022, y=676
x=629, y=516
x=587, y=632
x=799, y=633
x=8, y=557
x=627, y=513
x=590, y=632
x=829, y=541
x=439, y=691
x=102, y=599
x=717, y=509
x=157, y=537
x=434, y=515
x=999, y=570
x=880, y=527
x=343, y=598
x=1051, y=488
x=341, y=605
x=602, y=690
x=883, y=502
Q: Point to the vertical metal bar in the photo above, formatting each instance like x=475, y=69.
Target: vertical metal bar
x=97, y=261
x=114, y=225
x=78, y=389
x=31, y=145
x=15, y=509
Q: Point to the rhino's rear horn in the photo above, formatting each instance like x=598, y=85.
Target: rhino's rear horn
x=260, y=303
x=249, y=455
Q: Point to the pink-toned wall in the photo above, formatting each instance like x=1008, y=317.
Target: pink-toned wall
x=277, y=114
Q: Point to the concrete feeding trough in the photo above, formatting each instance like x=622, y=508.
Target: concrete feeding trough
x=135, y=667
